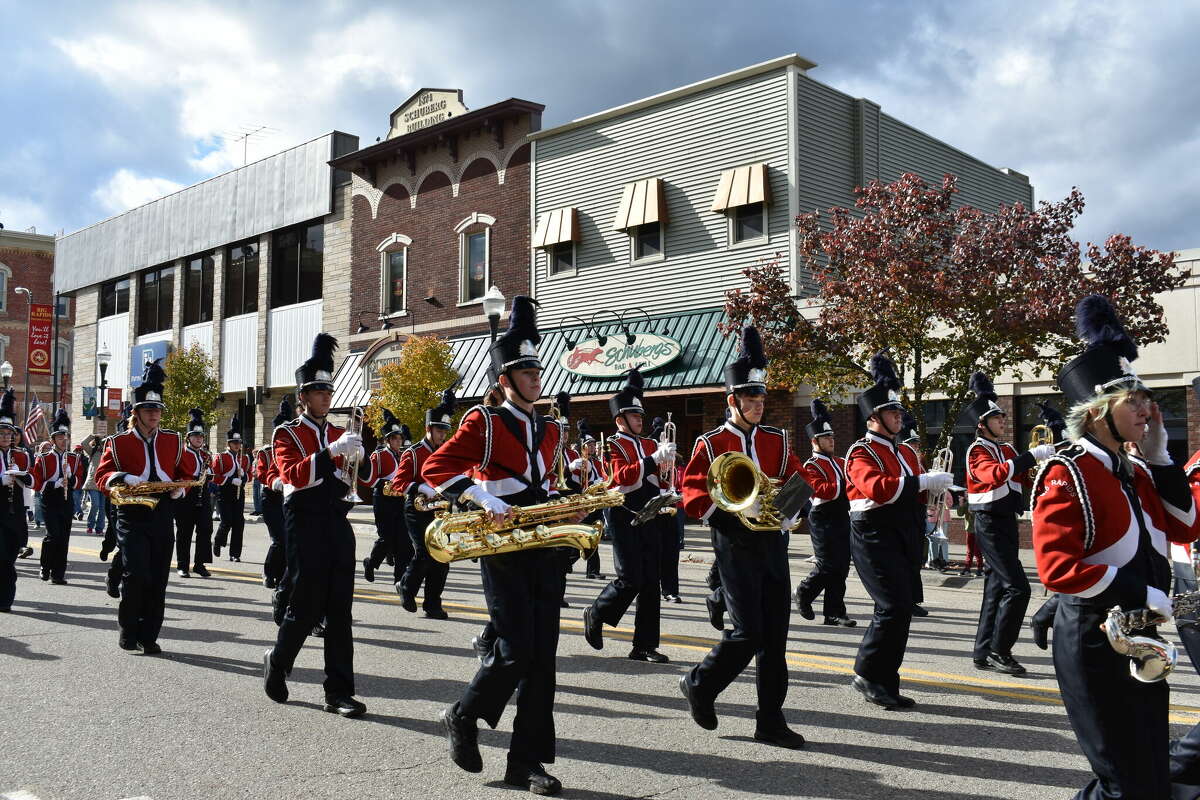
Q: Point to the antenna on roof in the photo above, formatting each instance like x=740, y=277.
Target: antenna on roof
x=244, y=133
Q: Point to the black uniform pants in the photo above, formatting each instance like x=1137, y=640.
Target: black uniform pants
x=1005, y=589
x=882, y=554
x=231, y=505
x=758, y=597
x=275, y=562
x=1121, y=723
x=320, y=547
x=57, y=512
x=670, y=530
x=636, y=561
x=422, y=567
x=831, y=545
x=522, y=590
x=193, y=514
x=146, y=538
x=1185, y=753
x=14, y=534
x=392, y=533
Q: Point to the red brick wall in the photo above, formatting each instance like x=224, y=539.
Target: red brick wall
x=33, y=269
x=433, y=256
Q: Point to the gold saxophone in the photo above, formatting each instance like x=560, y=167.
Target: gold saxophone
x=1151, y=658
x=735, y=482
x=147, y=493
x=472, y=534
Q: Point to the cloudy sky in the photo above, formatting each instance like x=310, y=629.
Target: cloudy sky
x=104, y=106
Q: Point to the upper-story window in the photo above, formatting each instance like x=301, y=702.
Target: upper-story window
x=156, y=292
x=743, y=195
x=114, y=297
x=297, y=255
x=241, y=279
x=198, y=290
x=642, y=214
x=62, y=305
x=393, y=274
x=5, y=274
x=748, y=223
x=556, y=234
x=474, y=247
x=647, y=241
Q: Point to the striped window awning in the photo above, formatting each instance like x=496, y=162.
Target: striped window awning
x=742, y=186
x=642, y=203
x=555, y=227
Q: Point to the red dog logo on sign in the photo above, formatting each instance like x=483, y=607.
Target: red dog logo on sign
x=579, y=357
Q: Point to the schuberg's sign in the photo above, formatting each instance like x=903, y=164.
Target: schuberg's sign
x=649, y=351
x=426, y=108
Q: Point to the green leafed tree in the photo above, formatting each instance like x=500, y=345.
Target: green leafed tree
x=192, y=382
x=413, y=383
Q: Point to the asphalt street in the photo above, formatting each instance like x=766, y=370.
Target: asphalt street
x=85, y=720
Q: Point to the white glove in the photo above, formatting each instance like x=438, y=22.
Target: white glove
x=427, y=490
x=277, y=484
x=754, y=510
x=349, y=445
x=177, y=493
x=236, y=481
x=665, y=453
x=1042, y=452
x=133, y=480
x=935, y=481
x=1158, y=602
x=1154, y=445
x=791, y=522
x=489, y=503
x=577, y=465
x=6, y=479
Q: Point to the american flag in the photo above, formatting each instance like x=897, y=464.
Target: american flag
x=32, y=419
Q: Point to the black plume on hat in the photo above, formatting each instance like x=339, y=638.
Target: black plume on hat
x=882, y=395
x=563, y=401
x=585, y=431
x=235, y=429
x=656, y=427
x=405, y=433
x=391, y=426
x=747, y=373
x=286, y=413
x=150, y=392
x=8, y=409
x=1052, y=418
x=195, y=421
x=317, y=371
x=981, y=385
x=516, y=348
x=883, y=372
x=821, y=421
x=629, y=398
x=441, y=413
x=1096, y=323
x=908, y=426
x=984, y=404
x=62, y=422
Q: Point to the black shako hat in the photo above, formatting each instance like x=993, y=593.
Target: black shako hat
x=196, y=422
x=656, y=428
x=234, y=434
x=405, y=435
x=8, y=410
x=317, y=371
x=150, y=393
x=1053, y=420
x=516, y=348
x=563, y=401
x=882, y=395
x=126, y=414
x=1106, y=363
x=984, y=404
x=747, y=374
x=585, y=431
x=391, y=426
x=821, y=424
x=62, y=423
x=908, y=428
x=440, y=415
x=286, y=413
x=629, y=399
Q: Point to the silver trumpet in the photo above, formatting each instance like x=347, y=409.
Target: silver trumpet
x=1151, y=658
x=350, y=464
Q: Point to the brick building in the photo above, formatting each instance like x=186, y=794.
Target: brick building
x=27, y=259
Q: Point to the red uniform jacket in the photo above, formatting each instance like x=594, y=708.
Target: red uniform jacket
x=15, y=458
x=383, y=464
x=303, y=461
x=767, y=446
x=408, y=470
x=193, y=463
x=634, y=471
x=1084, y=529
x=261, y=465
x=226, y=467
x=883, y=479
x=591, y=467
x=504, y=450
x=827, y=477
x=997, y=477
x=126, y=454
x=49, y=467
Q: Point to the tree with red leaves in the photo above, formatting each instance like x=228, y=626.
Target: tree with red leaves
x=944, y=290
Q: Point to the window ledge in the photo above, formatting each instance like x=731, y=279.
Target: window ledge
x=466, y=303
x=566, y=273
x=649, y=259
x=756, y=241
x=393, y=315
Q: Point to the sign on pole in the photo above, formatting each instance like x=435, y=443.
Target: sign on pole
x=41, y=324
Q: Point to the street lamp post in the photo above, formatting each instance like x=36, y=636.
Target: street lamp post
x=493, y=307
x=103, y=357
x=6, y=373
x=29, y=321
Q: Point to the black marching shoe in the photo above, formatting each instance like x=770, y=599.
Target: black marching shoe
x=112, y=585
x=368, y=570
x=216, y=549
x=104, y=551
x=201, y=570
x=436, y=612
x=319, y=630
x=879, y=695
x=844, y=622
x=45, y=573
x=409, y=604
x=981, y=663
x=917, y=611
x=26, y=552
x=150, y=648
x=716, y=613
x=127, y=642
x=274, y=680
x=804, y=605
x=563, y=603
x=781, y=736
x=58, y=581
x=531, y=776
x=480, y=647
x=268, y=582
x=237, y=559
x=345, y=706
x=593, y=628
x=648, y=654
x=278, y=607
x=1002, y=662
x=183, y=573
x=703, y=714
x=463, y=735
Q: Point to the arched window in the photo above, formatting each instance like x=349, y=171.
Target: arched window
x=474, y=256
x=393, y=275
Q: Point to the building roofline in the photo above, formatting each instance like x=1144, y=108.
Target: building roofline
x=791, y=60
x=18, y=238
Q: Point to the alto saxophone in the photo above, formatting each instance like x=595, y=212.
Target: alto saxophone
x=1151, y=658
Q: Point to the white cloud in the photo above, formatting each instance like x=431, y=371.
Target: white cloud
x=22, y=213
x=126, y=189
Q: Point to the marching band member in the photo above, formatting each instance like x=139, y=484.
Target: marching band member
x=392, y=534
x=56, y=475
x=112, y=579
x=275, y=561
x=634, y=463
x=997, y=479
x=828, y=522
x=231, y=470
x=670, y=530
x=910, y=440
x=311, y=455
x=145, y=453
x=1101, y=527
x=510, y=451
x=14, y=476
x=886, y=530
x=586, y=471
x=423, y=568
x=193, y=512
x=753, y=564
x=1042, y=619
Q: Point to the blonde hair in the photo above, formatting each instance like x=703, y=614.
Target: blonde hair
x=1094, y=410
